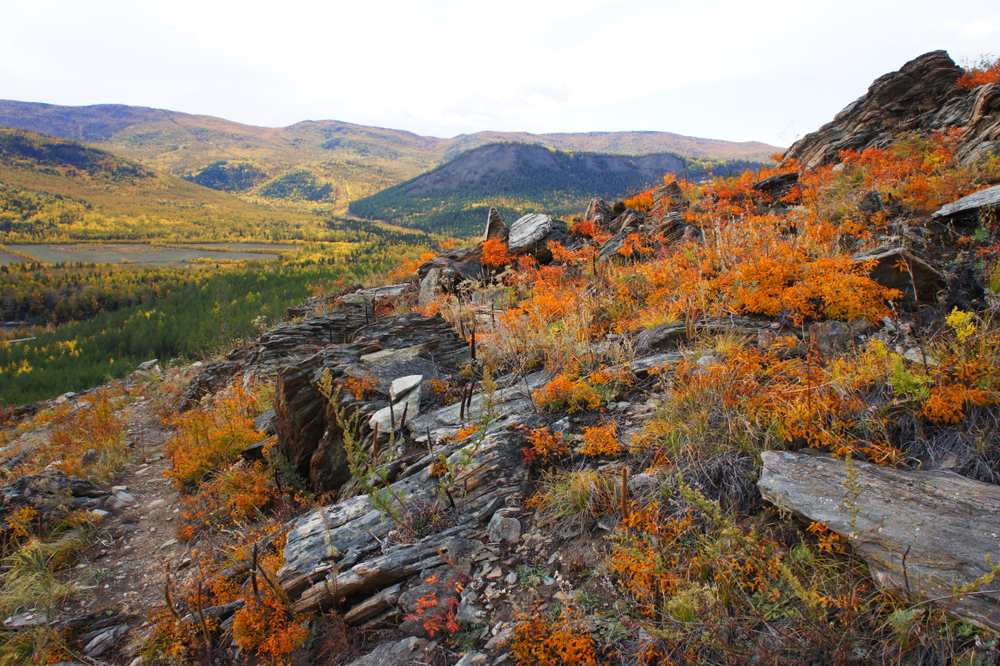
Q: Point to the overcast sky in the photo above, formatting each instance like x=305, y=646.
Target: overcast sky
x=728, y=69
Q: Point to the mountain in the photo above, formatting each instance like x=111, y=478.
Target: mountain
x=328, y=161
x=517, y=179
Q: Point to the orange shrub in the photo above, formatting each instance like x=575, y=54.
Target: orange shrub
x=495, y=253
x=601, y=440
x=642, y=201
x=236, y=496
x=544, y=446
x=542, y=641
x=568, y=392
x=987, y=70
x=360, y=388
x=214, y=436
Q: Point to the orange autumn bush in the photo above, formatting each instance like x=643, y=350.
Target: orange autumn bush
x=542, y=641
x=987, y=70
x=213, y=436
x=544, y=446
x=74, y=432
x=495, y=253
x=235, y=496
x=266, y=626
x=601, y=440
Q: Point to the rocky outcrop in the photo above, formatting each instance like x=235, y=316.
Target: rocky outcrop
x=52, y=494
x=352, y=555
x=310, y=430
x=495, y=228
x=599, y=211
x=923, y=97
x=532, y=233
x=928, y=533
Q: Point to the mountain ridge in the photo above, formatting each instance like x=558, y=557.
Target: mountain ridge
x=356, y=161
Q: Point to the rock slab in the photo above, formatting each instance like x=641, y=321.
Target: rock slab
x=942, y=525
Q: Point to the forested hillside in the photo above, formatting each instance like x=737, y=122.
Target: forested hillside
x=519, y=179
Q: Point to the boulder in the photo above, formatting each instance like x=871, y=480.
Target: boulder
x=532, y=233
x=459, y=262
x=599, y=211
x=631, y=220
x=928, y=533
x=668, y=195
x=777, y=184
x=404, y=405
x=899, y=268
x=431, y=287
x=495, y=228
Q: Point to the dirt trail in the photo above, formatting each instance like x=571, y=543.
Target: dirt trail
x=138, y=541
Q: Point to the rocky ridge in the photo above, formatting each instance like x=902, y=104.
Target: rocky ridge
x=437, y=525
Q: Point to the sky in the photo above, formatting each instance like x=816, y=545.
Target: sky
x=738, y=70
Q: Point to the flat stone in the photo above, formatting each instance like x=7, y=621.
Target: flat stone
x=404, y=385
x=942, y=526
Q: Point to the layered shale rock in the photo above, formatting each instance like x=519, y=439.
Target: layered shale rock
x=922, y=96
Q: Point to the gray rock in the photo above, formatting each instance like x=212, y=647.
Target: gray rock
x=373, y=606
x=531, y=234
x=984, y=199
x=668, y=195
x=471, y=659
x=431, y=287
x=266, y=423
x=925, y=278
x=503, y=528
x=495, y=228
x=104, y=641
x=940, y=525
x=393, y=654
x=921, y=96
x=403, y=385
x=599, y=211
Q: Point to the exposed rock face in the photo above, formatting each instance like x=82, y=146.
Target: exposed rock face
x=310, y=434
x=457, y=262
x=669, y=336
x=347, y=551
x=921, y=96
x=928, y=532
x=495, y=228
x=532, y=233
x=668, y=195
x=52, y=493
x=599, y=211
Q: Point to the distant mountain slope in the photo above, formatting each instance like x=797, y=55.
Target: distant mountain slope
x=333, y=162
x=60, y=190
x=516, y=178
